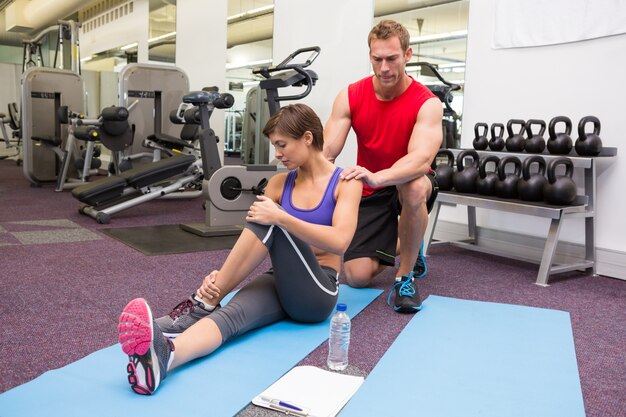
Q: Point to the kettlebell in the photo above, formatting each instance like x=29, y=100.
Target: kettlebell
x=530, y=186
x=506, y=186
x=535, y=143
x=561, y=189
x=497, y=139
x=588, y=144
x=444, y=171
x=480, y=140
x=464, y=179
x=560, y=143
x=486, y=182
x=515, y=141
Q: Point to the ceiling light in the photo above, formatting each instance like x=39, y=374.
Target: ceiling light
x=251, y=13
x=158, y=38
x=249, y=64
x=129, y=46
x=438, y=37
x=451, y=65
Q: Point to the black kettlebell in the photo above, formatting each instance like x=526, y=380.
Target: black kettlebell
x=486, y=182
x=464, y=179
x=480, y=140
x=515, y=141
x=561, y=189
x=444, y=171
x=506, y=186
x=559, y=143
x=496, y=143
x=535, y=143
x=530, y=186
x=588, y=144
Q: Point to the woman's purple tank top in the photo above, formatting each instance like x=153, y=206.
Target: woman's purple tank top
x=323, y=213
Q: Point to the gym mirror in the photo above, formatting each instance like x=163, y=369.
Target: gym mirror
x=438, y=32
x=162, y=28
x=249, y=38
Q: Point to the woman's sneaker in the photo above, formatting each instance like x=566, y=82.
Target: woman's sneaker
x=182, y=317
x=149, y=351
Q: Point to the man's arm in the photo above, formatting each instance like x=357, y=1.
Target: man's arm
x=338, y=126
x=423, y=146
x=424, y=143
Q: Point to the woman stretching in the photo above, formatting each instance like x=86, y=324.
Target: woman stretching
x=305, y=221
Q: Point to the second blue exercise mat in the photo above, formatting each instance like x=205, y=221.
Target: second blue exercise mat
x=459, y=358
x=218, y=385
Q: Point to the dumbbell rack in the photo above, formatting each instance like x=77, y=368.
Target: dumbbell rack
x=583, y=206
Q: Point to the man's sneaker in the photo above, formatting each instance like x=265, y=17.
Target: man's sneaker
x=407, y=298
x=420, y=269
x=147, y=348
x=182, y=317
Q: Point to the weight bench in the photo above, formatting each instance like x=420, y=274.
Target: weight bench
x=113, y=194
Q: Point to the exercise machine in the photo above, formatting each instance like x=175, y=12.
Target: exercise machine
x=444, y=91
x=163, y=178
x=44, y=91
x=230, y=190
x=110, y=128
x=12, y=118
x=156, y=90
x=67, y=31
x=12, y=141
x=234, y=128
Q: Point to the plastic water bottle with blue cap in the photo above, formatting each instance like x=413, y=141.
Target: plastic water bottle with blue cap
x=339, y=340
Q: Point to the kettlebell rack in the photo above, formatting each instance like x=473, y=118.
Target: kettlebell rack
x=582, y=207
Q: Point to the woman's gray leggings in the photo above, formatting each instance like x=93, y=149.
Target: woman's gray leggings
x=296, y=287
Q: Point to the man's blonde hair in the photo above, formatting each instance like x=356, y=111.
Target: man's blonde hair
x=387, y=29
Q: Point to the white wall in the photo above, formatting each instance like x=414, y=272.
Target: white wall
x=574, y=79
x=342, y=37
x=10, y=87
x=201, y=49
x=133, y=27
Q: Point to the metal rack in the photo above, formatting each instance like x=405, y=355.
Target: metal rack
x=583, y=207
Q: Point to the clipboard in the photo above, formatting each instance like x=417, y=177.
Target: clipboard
x=309, y=391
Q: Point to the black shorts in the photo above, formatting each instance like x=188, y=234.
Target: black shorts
x=376, y=233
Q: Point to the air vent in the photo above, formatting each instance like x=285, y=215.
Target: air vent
x=103, y=13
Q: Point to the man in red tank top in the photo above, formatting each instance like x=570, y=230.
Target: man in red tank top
x=397, y=122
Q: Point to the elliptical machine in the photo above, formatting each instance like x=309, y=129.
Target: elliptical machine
x=230, y=190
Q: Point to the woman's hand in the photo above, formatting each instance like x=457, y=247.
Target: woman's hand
x=208, y=290
x=264, y=211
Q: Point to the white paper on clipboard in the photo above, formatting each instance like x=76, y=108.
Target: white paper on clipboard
x=318, y=392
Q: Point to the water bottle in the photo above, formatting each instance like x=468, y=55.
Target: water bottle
x=339, y=340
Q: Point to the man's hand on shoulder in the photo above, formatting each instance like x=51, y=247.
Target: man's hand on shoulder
x=360, y=173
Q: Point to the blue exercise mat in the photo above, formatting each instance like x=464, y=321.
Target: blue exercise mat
x=220, y=384
x=459, y=358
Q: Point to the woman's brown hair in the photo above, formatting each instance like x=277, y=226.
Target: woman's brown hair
x=294, y=121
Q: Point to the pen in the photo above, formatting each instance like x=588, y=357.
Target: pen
x=284, y=406
x=290, y=406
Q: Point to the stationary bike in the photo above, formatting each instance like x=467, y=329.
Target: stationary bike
x=230, y=190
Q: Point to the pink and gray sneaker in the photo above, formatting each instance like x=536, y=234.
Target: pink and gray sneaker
x=147, y=348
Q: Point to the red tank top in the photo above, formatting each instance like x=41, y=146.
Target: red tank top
x=383, y=128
